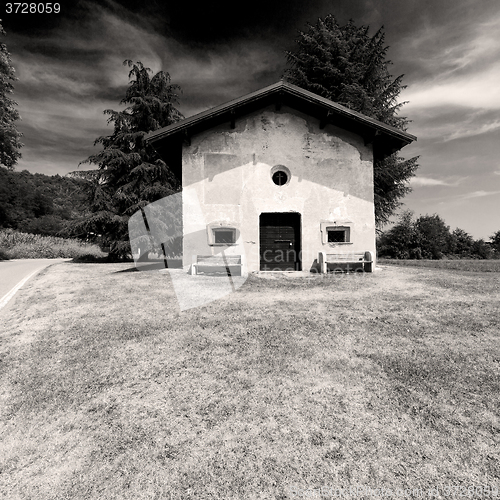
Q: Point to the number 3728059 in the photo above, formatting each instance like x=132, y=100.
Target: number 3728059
x=32, y=8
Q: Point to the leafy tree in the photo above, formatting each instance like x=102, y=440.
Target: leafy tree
x=129, y=173
x=481, y=250
x=42, y=205
x=462, y=243
x=9, y=136
x=347, y=65
x=428, y=237
x=46, y=225
x=402, y=240
x=495, y=240
x=434, y=236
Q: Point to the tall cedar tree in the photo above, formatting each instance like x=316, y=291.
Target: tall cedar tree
x=346, y=65
x=9, y=136
x=130, y=174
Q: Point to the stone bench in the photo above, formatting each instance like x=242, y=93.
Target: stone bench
x=346, y=261
x=228, y=264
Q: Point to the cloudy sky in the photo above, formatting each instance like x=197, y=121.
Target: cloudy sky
x=70, y=69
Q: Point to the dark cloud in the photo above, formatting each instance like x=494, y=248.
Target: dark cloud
x=219, y=22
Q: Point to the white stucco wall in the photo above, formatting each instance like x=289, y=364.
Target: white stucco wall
x=230, y=172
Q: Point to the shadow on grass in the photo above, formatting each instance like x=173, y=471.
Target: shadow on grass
x=144, y=267
x=153, y=265
x=92, y=259
x=147, y=265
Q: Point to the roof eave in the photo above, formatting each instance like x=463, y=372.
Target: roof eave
x=402, y=138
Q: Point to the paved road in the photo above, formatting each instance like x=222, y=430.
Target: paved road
x=16, y=272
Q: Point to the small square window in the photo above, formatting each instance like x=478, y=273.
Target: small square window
x=222, y=233
x=334, y=233
x=337, y=235
x=224, y=236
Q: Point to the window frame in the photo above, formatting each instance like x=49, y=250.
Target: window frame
x=231, y=230
x=346, y=226
x=338, y=229
x=212, y=229
x=285, y=170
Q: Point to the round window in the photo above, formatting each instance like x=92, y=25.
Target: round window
x=280, y=175
x=280, y=178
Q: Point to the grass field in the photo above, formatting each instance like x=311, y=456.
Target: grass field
x=17, y=245
x=384, y=380
x=473, y=265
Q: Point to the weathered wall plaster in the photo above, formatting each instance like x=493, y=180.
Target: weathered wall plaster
x=230, y=172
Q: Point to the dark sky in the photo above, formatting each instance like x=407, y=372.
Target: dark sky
x=70, y=70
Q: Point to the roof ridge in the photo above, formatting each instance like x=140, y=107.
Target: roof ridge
x=269, y=90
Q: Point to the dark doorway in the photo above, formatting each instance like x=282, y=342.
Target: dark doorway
x=280, y=242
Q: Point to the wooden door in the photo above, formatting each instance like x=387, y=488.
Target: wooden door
x=280, y=242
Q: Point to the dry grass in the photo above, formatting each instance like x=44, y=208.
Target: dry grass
x=17, y=245
x=385, y=380
x=471, y=265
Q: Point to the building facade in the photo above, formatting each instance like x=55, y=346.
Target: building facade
x=277, y=176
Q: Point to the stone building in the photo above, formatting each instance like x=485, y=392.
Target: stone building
x=277, y=176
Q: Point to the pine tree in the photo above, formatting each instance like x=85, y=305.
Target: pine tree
x=130, y=174
x=346, y=65
x=9, y=136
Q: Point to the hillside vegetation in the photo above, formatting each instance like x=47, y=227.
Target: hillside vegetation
x=38, y=203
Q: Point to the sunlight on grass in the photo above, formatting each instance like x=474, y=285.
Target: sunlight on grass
x=17, y=245
x=384, y=380
x=474, y=265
